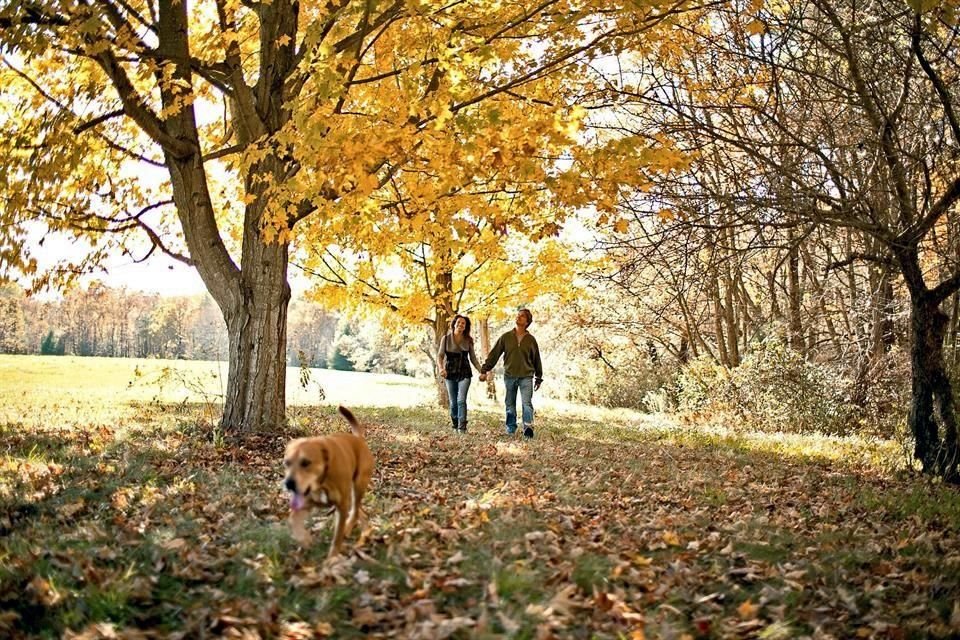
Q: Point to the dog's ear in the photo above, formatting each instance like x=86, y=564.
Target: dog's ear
x=291, y=452
x=323, y=463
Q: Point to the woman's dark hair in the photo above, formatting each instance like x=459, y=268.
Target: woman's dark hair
x=466, y=329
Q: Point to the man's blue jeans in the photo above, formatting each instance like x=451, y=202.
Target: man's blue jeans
x=525, y=385
x=457, y=395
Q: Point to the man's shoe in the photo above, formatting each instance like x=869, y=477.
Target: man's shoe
x=510, y=431
x=462, y=428
x=527, y=432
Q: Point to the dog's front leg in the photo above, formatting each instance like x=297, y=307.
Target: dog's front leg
x=298, y=527
x=339, y=527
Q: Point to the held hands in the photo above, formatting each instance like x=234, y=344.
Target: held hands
x=483, y=377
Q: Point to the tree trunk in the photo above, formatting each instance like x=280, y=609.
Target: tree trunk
x=718, y=317
x=730, y=319
x=821, y=303
x=254, y=297
x=683, y=353
x=954, y=329
x=693, y=342
x=794, y=298
x=484, y=329
x=883, y=334
x=257, y=335
x=443, y=313
x=932, y=404
x=729, y=294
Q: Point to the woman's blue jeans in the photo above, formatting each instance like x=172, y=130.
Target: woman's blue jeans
x=457, y=395
x=525, y=385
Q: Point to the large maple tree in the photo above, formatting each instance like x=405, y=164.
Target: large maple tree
x=227, y=132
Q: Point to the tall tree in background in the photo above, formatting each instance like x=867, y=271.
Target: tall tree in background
x=223, y=131
x=12, y=323
x=842, y=119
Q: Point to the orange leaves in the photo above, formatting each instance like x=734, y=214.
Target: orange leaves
x=667, y=215
x=747, y=610
x=174, y=545
x=671, y=538
x=44, y=592
x=755, y=27
x=72, y=509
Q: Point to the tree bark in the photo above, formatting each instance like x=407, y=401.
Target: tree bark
x=729, y=293
x=884, y=332
x=443, y=313
x=257, y=334
x=484, y=329
x=794, y=297
x=932, y=393
x=718, y=316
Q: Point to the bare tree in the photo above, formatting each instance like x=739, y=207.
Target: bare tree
x=837, y=116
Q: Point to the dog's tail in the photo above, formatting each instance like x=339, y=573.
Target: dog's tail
x=355, y=425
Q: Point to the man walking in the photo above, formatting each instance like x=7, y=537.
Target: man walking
x=522, y=370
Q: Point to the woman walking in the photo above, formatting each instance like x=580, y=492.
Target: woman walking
x=453, y=364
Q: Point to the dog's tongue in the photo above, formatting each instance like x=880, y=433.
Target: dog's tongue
x=296, y=502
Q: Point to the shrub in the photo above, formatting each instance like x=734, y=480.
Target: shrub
x=631, y=386
x=783, y=390
x=886, y=401
x=703, y=385
x=774, y=388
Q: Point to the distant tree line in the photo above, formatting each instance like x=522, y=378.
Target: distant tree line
x=112, y=322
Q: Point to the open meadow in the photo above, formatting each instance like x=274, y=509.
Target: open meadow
x=125, y=513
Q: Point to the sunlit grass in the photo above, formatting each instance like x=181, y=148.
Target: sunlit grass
x=45, y=390
x=407, y=438
x=511, y=449
x=50, y=391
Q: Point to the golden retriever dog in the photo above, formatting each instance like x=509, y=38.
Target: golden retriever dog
x=328, y=471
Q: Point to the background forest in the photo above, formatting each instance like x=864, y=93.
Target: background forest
x=811, y=352
x=744, y=209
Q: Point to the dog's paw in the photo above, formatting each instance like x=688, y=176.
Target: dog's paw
x=298, y=530
x=304, y=539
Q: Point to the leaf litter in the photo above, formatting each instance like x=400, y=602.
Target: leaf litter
x=471, y=536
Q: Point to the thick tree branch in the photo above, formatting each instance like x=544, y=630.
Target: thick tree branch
x=946, y=288
x=90, y=124
x=247, y=119
x=82, y=126
x=137, y=109
x=945, y=99
x=914, y=233
x=860, y=257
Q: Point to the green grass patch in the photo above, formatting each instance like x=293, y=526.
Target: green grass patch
x=934, y=503
x=518, y=583
x=591, y=571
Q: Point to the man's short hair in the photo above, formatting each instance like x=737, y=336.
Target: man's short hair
x=529, y=315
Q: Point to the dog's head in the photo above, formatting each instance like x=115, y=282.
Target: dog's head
x=306, y=461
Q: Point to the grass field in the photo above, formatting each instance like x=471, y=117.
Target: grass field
x=125, y=513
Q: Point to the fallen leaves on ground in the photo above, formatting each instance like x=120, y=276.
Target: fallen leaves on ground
x=471, y=536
